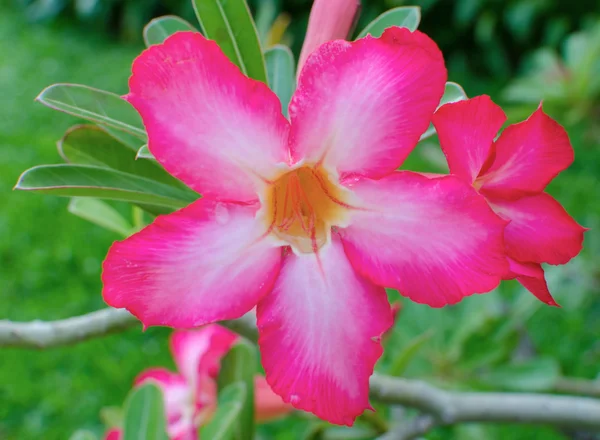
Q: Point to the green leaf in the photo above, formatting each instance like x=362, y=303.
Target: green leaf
x=100, y=213
x=230, y=24
x=538, y=374
x=403, y=16
x=102, y=183
x=126, y=139
x=224, y=423
x=453, y=92
x=239, y=366
x=144, y=153
x=403, y=358
x=280, y=70
x=145, y=414
x=158, y=29
x=94, y=105
x=91, y=145
x=111, y=416
x=83, y=434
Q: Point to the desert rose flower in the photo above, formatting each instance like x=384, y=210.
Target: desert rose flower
x=190, y=395
x=512, y=173
x=306, y=219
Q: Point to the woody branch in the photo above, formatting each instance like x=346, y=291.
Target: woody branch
x=440, y=406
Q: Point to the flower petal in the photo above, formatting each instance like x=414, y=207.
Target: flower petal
x=268, y=405
x=208, y=124
x=531, y=276
x=528, y=156
x=207, y=262
x=540, y=230
x=434, y=239
x=319, y=334
x=361, y=107
x=329, y=20
x=113, y=434
x=177, y=395
x=466, y=130
x=199, y=352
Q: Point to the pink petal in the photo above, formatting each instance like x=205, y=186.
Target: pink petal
x=361, y=107
x=268, y=405
x=208, y=124
x=204, y=263
x=540, y=230
x=528, y=156
x=113, y=434
x=177, y=395
x=200, y=351
x=434, y=239
x=319, y=334
x=329, y=20
x=531, y=276
x=466, y=131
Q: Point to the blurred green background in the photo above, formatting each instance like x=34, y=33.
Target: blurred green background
x=519, y=52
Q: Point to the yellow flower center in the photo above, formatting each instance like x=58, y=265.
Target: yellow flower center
x=302, y=205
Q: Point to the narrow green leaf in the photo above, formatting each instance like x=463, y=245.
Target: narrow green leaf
x=102, y=183
x=100, y=213
x=144, y=153
x=158, y=29
x=224, y=423
x=125, y=138
x=538, y=374
x=403, y=358
x=94, y=105
x=403, y=16
x=280, y=70
x=145, y=414
x=82, y=434
x=230, y=24
x=453, y=92
x=91, y=145
x=239, y=366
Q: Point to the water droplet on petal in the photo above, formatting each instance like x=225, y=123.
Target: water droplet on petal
x=294, y=399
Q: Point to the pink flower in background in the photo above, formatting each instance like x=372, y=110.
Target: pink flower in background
x=329, y=20
x=512, y=173
x=307, y=219
x=190, y=395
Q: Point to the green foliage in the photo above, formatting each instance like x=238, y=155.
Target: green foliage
x=408, y=17
x=90, y=181
x=102, y=214
x=238, y=368
x=568, y=85
x=225, y=423
x=144, y=416
x=160, y=28
x=280, y=72
x=230, y=24
x=94, y=105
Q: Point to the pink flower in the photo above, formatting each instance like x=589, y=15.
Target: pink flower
x=113, y=434
x=190, y=395
x=307, y=218
x=329, y=20
x=512, y=173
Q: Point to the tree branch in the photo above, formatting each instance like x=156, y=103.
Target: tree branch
x=446, y=407
x=47, y=334
x=449, y=407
